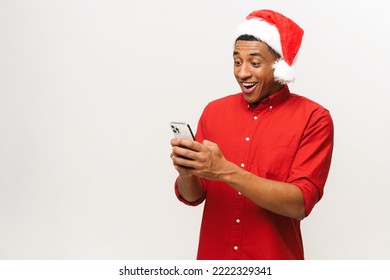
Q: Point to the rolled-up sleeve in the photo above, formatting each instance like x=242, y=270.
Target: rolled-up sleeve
x=312, y=160
x=195, y=203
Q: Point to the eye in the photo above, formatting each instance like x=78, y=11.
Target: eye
x=256, y=64
x=237, y=62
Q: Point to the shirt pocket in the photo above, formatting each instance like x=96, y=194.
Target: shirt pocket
x=273, y=162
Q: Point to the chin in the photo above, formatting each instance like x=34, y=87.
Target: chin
x=251, y=100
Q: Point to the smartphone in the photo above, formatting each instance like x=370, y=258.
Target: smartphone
x=182, y=130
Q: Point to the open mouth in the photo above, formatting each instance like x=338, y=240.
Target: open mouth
x=248, y=85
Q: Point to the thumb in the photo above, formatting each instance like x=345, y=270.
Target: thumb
x=208, y=143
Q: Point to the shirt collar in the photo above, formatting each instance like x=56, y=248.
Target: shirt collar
x=271, y=101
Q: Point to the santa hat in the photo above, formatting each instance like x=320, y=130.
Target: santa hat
x=280, y=33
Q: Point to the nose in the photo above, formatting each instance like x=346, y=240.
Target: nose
x=244, y=71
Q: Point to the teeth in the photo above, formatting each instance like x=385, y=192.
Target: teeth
x=248, y=84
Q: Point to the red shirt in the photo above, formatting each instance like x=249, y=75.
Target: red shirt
x=287, y=138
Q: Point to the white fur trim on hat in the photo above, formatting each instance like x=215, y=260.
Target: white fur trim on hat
x=262, y=30
x=283, y=73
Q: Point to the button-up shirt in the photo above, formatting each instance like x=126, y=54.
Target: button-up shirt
x=287, y=138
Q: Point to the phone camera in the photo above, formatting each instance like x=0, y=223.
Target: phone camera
x=175, y=129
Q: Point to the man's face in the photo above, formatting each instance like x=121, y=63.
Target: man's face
x=253, y=70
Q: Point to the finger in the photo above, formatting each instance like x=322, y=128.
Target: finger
x=189, y=144
x=184, y=162
x=184, y=152
x=184, y=171
x=180, y=142
x=174, y=142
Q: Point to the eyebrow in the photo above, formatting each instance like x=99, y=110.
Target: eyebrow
x=251, y=54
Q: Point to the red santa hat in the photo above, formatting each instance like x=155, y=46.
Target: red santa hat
x=280, y=33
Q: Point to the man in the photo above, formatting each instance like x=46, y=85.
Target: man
x=262, y=156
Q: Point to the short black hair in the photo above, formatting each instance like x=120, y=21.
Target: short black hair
x=247, y=37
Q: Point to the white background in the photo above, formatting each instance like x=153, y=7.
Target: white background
x=88, y=88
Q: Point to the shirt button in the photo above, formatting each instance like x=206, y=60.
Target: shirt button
x=270, y=108
x=238, y=221
x=247, y=139
x=236, y=248
x=255, y=117
x=242, y=164
x=239, y=193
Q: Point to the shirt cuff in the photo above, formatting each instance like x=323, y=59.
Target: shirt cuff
x=195, y=203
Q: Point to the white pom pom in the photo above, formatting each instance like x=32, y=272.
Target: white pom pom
x=283, y=73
